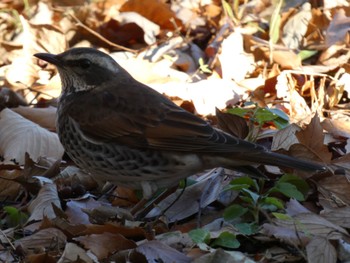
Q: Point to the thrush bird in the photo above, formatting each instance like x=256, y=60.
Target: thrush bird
x=123, y=131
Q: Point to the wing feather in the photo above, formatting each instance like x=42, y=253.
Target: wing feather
x=150, y=122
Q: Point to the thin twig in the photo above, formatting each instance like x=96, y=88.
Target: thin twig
x=80, y=24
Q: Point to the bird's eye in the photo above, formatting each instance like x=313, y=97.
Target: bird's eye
x=84, y=63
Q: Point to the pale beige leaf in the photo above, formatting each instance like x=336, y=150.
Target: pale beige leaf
x=320, y=250
x=21, y=73
x=9, y=188
x=222, y=256
x=42, y=38
x=155, y=250
x=43, y=14
x=19, y=135
x=293, y=208
x=196, y=196
x=338, y=128
x=45, y=117
x=339, y=216
x=75, y=213
x=338, y=29
x=335, y=190
x=150, y=72
x=72, y=253
x=285, y=234
x=206, y=95
x=287, y=59
x=235, y=63
x=41, y=206
x=296, y=27
x=313, y=224
x=43, y=239
x=284, y=138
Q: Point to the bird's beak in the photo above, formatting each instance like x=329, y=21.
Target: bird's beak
x=53, y=59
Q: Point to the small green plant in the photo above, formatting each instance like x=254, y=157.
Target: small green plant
x=203, y=238
x=256, y=201
x=13, y=217
x=258, y=117
x=204, y=67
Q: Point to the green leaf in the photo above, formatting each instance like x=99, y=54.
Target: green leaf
x=274, y=201
x=14, y=216
x=247, y=229
x=288, y=190
x=247, y=199
x=275, y=23
x=282, y=216
x=243, y=180
x=255, y=197
x=228, y=9
x=227, y=240
x=305, y=54
x=299, y=183
x=282, y=119
x=239, y=111
x=237, y=187
x=280, y=123
x=263, y=115
x=240, y=183
x=204, y=67
x=234, y=211
x=199, y=235
x=281, y=114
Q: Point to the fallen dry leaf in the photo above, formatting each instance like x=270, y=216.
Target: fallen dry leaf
x=285, y=138
x=334, y=191
x=72, y=252
x=155, y=11
x=45, y=117
x=9, y=188
x=103, y=245
x=295, y=28
x=206, y=95
x=155, y=250
x=232, y=124
x=339, y=216
x=320, y=250
x=338, y=29
x=235, y=63
x=195, y=197
x=312, y=137
x=43, y=239
x=41, y=206
x=20, y=136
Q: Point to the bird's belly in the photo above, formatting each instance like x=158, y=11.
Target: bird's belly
x=126, y=166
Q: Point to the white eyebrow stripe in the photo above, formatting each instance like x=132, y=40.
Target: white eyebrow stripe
x=104, y=62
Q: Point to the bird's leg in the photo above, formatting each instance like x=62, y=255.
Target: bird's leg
x=137, y=208
x=140, y=214
x=148, y=192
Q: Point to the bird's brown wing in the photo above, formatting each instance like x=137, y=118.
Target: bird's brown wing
x=146, y=119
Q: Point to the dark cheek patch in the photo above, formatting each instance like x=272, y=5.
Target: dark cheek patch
x=96, y=76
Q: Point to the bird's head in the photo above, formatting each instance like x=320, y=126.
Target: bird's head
x=83, y=69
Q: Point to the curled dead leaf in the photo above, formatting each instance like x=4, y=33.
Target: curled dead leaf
x=20, y=136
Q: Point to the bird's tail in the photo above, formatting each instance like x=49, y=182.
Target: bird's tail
x=282, y=160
